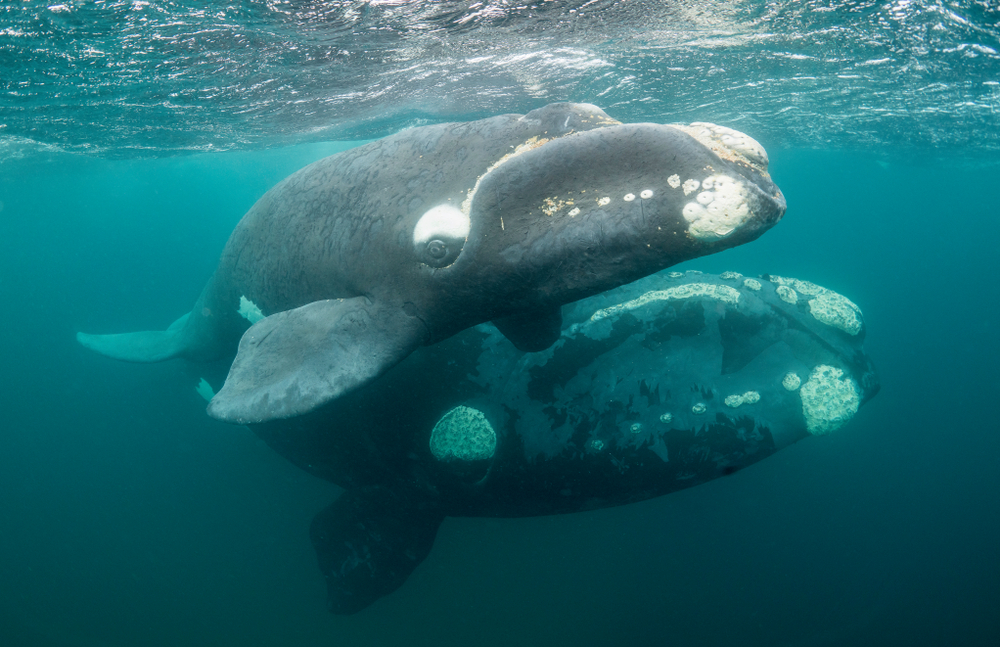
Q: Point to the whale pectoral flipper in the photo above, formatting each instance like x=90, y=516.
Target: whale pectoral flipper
x=532, y=331
x=369, y=541
x=145, y=346
x=294, y=361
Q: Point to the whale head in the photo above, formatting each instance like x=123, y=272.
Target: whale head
x=578, y=212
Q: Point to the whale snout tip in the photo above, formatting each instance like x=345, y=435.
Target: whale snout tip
x=729, y=144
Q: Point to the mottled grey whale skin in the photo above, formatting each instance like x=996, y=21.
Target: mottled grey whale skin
x=651, y=388
x=356, y=260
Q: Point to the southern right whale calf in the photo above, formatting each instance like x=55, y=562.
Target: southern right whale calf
x=660, y=385
x=348, y=265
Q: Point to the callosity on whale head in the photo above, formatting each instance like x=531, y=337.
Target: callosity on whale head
x=652, y=387
x=570, y=215
x=348, y=265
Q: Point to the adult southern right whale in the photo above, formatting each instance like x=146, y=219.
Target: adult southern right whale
x=348, y=265
x=653, y=387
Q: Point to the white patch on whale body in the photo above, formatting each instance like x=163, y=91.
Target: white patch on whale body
x=721, y=292
x=442, y=221
x=787, y=294
x=691, y=185
x=836, y=310
x=205, y=390
x=825, y=306
x=629, y=197
x=719, y=210
x=829, y=400
x=249, y=310
x=674, y=181
x=791, y=381
x=729, y=144
x=463, y=434
x=647, y=194
x=736, y=400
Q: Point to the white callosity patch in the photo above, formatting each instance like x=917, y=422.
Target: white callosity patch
x=676, y=275
x=731, y=276
x=728, y=144
x=463, y=434
x=750, y=397
x=205, y=390
x=674, y=181
x=629, y=197
x=699, y=408
x=791, y=381
x=636, y=428
x=686, y=291
x=603, y=201
x=825, y=306
x=646, y=194
x=442, y=221
x=575, y=211
x=787, y=294
x=836, y=310
x=666, y=418
x=752, y=284
x=719, y=210
x=829, y=400
x=249, y=310
x=691, y=185
x=807, y=288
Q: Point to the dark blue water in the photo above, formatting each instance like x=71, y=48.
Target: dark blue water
x=128, y=517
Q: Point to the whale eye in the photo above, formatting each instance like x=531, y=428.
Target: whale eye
x=439, y=235
x=437, y=249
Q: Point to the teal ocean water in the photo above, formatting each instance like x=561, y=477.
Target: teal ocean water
x=129, y=517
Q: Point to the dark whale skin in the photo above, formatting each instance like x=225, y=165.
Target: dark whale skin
x=635, y=400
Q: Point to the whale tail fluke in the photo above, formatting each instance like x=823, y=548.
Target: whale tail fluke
x=146, y=346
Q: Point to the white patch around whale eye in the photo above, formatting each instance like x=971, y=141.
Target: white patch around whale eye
x=440, y=234
x=442, y=221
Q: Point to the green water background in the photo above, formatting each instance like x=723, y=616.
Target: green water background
x=128, y=517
